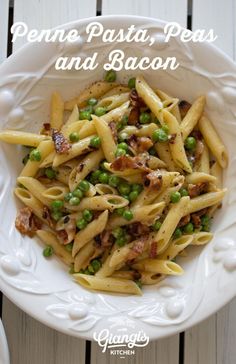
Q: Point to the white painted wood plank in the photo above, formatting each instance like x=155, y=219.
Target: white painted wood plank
x=30, y=342
x=4, y=10
x=163, y=351
x=213, y=341
x=220, y=16
x=169, y=10
x=46, y=14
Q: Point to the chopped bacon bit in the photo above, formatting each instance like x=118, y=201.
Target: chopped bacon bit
x=47, y=216
x=63, y=236
x=153, y=180
x=106, y=239
x=124, y=162
x=137, y=228
x=172, y=138
x=134, y=116
x=198, y=189
x=135, y=100
x=153, y=250
x=136, y=249
x=140, y=145
x=62, y=145
x=112, y=126
x=136, y=275
x=26, y=222
x=66, y=229
x=184, y=221
x=184, y=107
x=46, y=130
x=197, y=134
x=196, y=221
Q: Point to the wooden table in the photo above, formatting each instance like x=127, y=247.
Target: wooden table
x=214, y=340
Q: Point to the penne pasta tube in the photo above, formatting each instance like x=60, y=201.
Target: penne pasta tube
x=103, y=189
x=99, y=203
x=193, y=115
x=96, y=90
x=213, y=141
x=164, y=154
x=113, y=101
x=88, y=129
x=126, y=274
x=177, y=147
x=197, y=177
x=204, y=164
x=108, y=284
x=87, y=164
x=144, y=131
x=202, y=238
x=89, y=232
x=74, y=116
x=35, y=187
x=151, y=278
x=107, y=141
x=176, y=247
x=159, y=266
x=145, y=214
x=23, y=138
x=56, y=112
x=106, y=270
x=32, y=167
x=76, y=150
x=74, y=127
x=55, y=192
x=82, y=258
x=50, y=238
x=176, y=212
x=48, y=160
x=117, y=113
x=216, y=171
x=205, y=200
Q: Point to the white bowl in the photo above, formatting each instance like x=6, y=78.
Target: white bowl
x=4, y=353
x=43, y=288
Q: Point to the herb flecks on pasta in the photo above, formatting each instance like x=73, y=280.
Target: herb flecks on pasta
x=127, y=183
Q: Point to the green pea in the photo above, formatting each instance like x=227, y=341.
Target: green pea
x=159, y=135
x=35, y=155
x=95, y=142
x=165, y=128
x=77, y=193
x=156, y=226
x=124, y=188
x=84, y=186
x=99, y=111
x=25, y=159
x=121, y=241
x=57, y=205
x=104, y=177
x=133, y=195
x=137, y=187
x=74, y=201
x=56, y=215
x=68, y=196
x=131, y=82
x=118, y=232
x=183, y=192
x=128, y=215
x=92, y=101
x=120, y=152
x=144, y=118
x=50, y=173
x=48, y=251
x=96, y=264
x=175, y=197
x=85, y=115
x=120, y=211
x=113, y=180
x=139, y=283
x=95, y=176
x=86, y=271
x=190, y=143
x=206, y=227
x=205, y=219
x=81, y=224
x=74, y=137
x=87, y=215
x=90, y=269
x=188, y=229
x=110, y=76
x=123, y=146
x=177, y=233
x=69, y=247
x=152, y=151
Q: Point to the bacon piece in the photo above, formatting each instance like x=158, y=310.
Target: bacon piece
x=184, y=220
x=135, y=99
x=184, y=107
x=198, y=189
x=137, y=229
x=112, y=126
x=196, y=217
x=134, y=116
x=47, y=216
x=46, y=130
x=26, y=222
x=124, y=162
x=66, y=229
x=153, y=250
x=106, y=239
x=153, y=180
x=62, y=145
x=140, y=145
x=136, y=249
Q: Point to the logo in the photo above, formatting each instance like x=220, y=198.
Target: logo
x=120, y=344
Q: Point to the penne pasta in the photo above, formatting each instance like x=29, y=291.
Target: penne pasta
x=20, y=137
x=193, y=115
x=56, y=112
x=159, y=266
x=107, y=141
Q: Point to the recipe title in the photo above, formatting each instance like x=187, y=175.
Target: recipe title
x=116, y=58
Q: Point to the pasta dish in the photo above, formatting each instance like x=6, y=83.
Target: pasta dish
x=119, y=182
